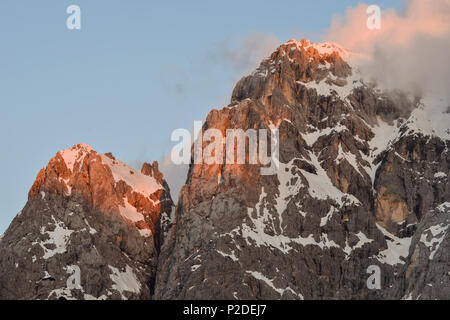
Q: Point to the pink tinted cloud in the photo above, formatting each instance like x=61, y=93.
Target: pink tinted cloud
x=420, y=18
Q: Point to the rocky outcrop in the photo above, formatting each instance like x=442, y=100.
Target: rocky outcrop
x=89, y=215
x=357, y=176
x=425, y=274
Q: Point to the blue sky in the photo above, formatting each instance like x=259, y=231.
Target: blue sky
x=135, y=71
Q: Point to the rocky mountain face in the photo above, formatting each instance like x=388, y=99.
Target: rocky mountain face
x=87, y=214
x=362, y=181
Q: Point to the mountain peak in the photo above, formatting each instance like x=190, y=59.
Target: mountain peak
x=76, y=154
x=299, y=63
x=353, y=188
x=106, y=184
x=321, y=47
x=92, y=212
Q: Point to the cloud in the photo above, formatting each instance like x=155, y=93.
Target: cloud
x=421, y=17
x=247, y=54
x=410, y=52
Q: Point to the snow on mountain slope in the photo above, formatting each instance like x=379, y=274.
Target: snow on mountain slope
x=146, y=185
x=432, y=118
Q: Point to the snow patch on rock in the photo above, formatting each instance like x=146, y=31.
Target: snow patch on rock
x=397, y=249
x=58, y=238
x=269, y=282
x=124, y=281
x=436, y=234
x=139, y=182
x=76, y=154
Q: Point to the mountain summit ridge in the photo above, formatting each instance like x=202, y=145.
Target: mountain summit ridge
x=110, y=185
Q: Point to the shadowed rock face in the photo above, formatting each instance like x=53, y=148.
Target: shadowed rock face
x=95, y=213
x=358, y=181
x=425, y=274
